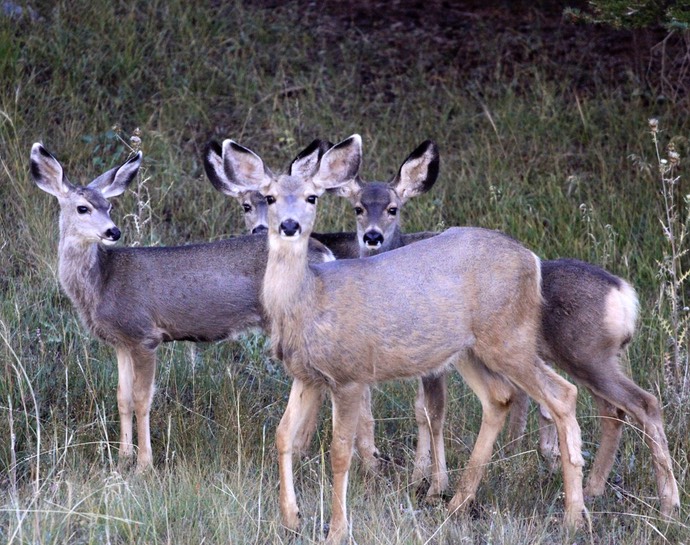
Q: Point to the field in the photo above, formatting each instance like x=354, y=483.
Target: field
x=543, y=132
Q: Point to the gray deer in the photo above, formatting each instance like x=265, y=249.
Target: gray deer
x=588, y=318
x=468, y=297
x=134, y=299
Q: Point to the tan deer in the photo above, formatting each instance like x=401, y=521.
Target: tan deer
x=134, y=299
x=467, y=297
x=377, y=206
x=588, y=318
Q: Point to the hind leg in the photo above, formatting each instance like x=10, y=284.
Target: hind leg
x=495, y=395
x=643, y=407
x=559, y=396
x=611, y=421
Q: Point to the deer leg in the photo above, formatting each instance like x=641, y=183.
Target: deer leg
x=125, y=405
x=304, y=400
x=144, y=372
x=548, y=439
x=364, y=439
x=643, y=407
x=517, y=421
x=347, y=401
x=310, y=421
x=422, y=458
x=435, y=394
x=611, y=429
x=495, y=395
x=559, y=397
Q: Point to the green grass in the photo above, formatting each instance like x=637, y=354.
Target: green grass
x=521, y=151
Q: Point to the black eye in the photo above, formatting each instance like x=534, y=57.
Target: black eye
x=392, y=211
x=359, y=210
x=247, y=208
x=311, y=199
x=82, y=209
x=270, y=199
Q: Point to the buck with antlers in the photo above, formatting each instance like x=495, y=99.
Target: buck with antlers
x=137, y=298
x=469, y=297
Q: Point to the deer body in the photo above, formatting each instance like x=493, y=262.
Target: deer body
x=588, y=318
x=136, y=298
x=469, y=297
x=146, y=296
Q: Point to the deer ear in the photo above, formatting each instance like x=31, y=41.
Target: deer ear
x=244, y=168
x=340, y=164
x=114, y=182
x=215, y=170
x=349, y=190
x=47, y=172
x=307, y=161
x=418, y=173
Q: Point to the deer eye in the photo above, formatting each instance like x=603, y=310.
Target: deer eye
x=82, y=209
x=359, y=210
x=247, y=208
x=311, y=199
x=270, y=199
x=392, y=211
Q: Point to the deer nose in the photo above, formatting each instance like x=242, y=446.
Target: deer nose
x=113, y=233
x=289, y=228
x=259, y=229
x=373, y=238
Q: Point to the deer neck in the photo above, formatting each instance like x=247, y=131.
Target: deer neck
x=81, y=276
x=288, y=293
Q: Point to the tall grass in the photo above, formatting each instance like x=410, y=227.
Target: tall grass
x=521, y=151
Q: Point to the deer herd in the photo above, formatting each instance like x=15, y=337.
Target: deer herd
x=345, y=311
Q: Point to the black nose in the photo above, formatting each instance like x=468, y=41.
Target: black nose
x=289, y=228
x=373, y=238
x=113, y=233
x=259, y=229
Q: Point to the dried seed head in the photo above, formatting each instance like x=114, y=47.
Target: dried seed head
x=654, y=124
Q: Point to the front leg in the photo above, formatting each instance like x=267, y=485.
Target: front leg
x=347, y=402
x=144, y=373
x=303, y=404
x=364, y=440
x=125, y=406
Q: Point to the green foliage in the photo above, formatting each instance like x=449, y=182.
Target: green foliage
x=672, y=14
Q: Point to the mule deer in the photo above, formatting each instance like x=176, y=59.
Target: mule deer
x=588, y=318
x=136, y=298
x=380, y=232
x=469, y=297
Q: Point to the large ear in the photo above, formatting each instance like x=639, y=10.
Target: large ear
x=47, y=172
x=418, y=173
x=215, y=170
x=115, y=181
x=340, y=164
x=307, y=161
x=244, y=168
x=349, y=190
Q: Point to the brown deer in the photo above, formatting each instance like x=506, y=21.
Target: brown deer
x=378, y=206
x=469, y=297
x=134, y=299
x=588, y=318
